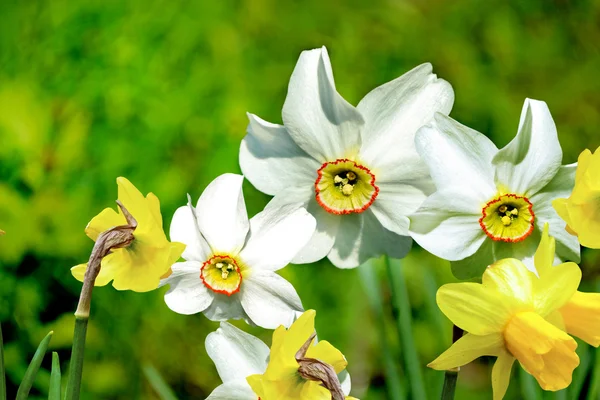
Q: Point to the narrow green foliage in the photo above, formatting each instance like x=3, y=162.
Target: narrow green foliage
x=594, y=391
x=371, y=285
x=76, y=365
x=529, y=387
x=402, y=314
x=33, y=368
x=158, y=383
x=54, y=392
x=2, y=373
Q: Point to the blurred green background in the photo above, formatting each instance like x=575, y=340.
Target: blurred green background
x=157, y=91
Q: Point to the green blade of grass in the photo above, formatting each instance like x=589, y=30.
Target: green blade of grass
x=158, y=383
x=33, y=368
x=2, y=373
x=402, y=316
x=594, y=391
x=529, y=387
x=54, y=392
x=369, y=280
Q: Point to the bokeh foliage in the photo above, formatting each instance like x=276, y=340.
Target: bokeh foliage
x=157, y=91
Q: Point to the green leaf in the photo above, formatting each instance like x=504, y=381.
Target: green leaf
x=54, y=392
x=32, y=370
x=158, y=383
x=2, y=373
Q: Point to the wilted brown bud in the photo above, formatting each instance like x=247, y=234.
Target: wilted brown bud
x=118, y=237
x=316, y=370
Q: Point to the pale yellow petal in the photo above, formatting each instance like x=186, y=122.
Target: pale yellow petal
x=544, y=255
x=475, y=308
x=501, y=374
x=581, y=316
x=556, y=288
x=310, y=390
x=324, y=351
x=256, y=383
x=104, y=221
x=511, y=278
x=154, y=207
x=134, y=202
x=468, y=348
x=106, y=274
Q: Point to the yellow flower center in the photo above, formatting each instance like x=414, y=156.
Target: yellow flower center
x=221, y=274
x=508, y=218
x=545, y=351
x=345, y=187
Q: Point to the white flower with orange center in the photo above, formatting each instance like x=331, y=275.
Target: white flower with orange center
x=492, y=204
x=355, y=169
x=229, y=272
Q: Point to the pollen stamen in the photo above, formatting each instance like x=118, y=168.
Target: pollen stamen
x=508, y=218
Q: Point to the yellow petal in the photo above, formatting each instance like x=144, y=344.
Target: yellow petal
x=556, y=288
x=501, y=374
x=310, y=390
x=324, y=351
x=582, y=317
x=256, y=383
x=104, y=221
x=544, y=255
x=468, y=348
x=545, y=351
x=154, y=207
x=511, y=278
x=557, y=320
x=583, y=163
x=475, y=308
x=106, y=274
x=135, y=202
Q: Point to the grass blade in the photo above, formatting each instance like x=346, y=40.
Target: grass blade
x=158, y=383
x=369, y=279
x=33, y=368
x=2, y=373
x=594, y=391
x=529, y=387
x=76, y=364
x=54, y=393
x=402, y=316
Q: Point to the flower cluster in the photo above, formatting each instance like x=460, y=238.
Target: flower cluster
x=352, y=183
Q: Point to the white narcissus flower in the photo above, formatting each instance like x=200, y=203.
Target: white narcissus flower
x=238, y=355
x=492, y=204
x=354, y=168
x=229, y=272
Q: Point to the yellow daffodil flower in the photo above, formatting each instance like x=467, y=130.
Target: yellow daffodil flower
x=581, y=211
x=140, y=266
x=581, y=314
x=514, y=314
x=283, y=379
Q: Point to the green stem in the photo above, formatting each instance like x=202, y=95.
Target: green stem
x=2, y=373
x=54, y=390
x=402, y=315
x=450, y=377
x=371, y=284
x=76, y=365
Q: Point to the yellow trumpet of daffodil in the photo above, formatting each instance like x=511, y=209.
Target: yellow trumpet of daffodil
x=581, y=211
x=140, y=266
x=286, y=375
x=514, y=314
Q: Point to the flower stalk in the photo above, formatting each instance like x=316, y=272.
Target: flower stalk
x=451, y=376
x=117, y=237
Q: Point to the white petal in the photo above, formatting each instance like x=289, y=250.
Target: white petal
x=239, y=390
x=221, y=213
x=269, y=300
x=317, y=118
x=187, y=294
x=277, y=234
x=395, y=111
x=236, y=354
x=321, y=242
x=272, y=161
x=184, y=229
x=567, y=245
x=361, y=237
x=225, y=307
x=492, y=251
x=458, y=157
x=345, y=381
x=532, y=158
x=397, y=200
x=447, y=225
